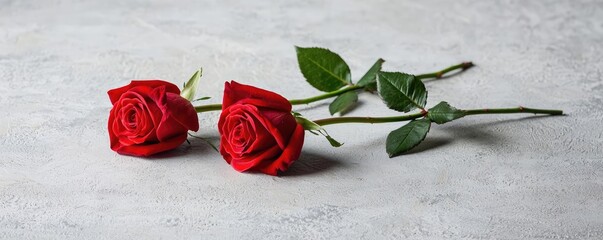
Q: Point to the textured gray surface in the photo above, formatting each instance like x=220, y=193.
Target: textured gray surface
x=484, y=177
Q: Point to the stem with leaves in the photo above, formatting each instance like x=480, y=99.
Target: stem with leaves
x=413, y=133
x=328, y=72
x=351, y=87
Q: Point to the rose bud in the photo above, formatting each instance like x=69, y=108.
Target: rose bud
x=149, y=117
x=258, y=131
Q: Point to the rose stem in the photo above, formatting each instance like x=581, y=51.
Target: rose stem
x=324, y=96
x=208, y=108
x=337, y=120
x=463, y=66
x=439, y=74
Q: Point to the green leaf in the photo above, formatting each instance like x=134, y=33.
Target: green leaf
x=343, y=102
x=400, y=91
x=443, y=113
x=407, y=137
x=323, y=69
x=190, y=87
x=369, y=80
x=315, y=129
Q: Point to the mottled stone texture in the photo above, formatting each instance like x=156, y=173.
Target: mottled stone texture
x=482, y=177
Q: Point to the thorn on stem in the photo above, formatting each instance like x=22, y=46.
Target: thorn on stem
x=467, y=65
x=439, y=75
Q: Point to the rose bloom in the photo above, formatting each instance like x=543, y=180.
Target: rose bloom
x=149, y=117
x=258, y=131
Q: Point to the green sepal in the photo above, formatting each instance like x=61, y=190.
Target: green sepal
x=190, y=87
x=443, y=113
x=323, y=69
x=407, y=137
x=315, y=129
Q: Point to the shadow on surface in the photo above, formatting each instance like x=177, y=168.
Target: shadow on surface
x=311, y=163
x=430, y=144
x=474, y=133
x=196, y=147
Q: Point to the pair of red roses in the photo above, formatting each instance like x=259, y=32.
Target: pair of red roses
x=258, y=131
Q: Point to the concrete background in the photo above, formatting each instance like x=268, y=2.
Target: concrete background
x=482, y=177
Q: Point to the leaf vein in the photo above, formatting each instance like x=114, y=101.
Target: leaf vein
x=404, y=94
x=324, y=69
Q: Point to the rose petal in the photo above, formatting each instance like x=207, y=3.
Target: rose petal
x=137, y=95
x=289, y=155
x=235, y=92
x=182, y=111
x=225, y=149
x=145, y=150
x=261, y=139
x=248, y=162
x=132, y=101
x=273, y=130
x=115, y=94
x=178, y=114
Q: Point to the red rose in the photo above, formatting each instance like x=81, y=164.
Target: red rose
x=149, y=117
x=258, y=131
